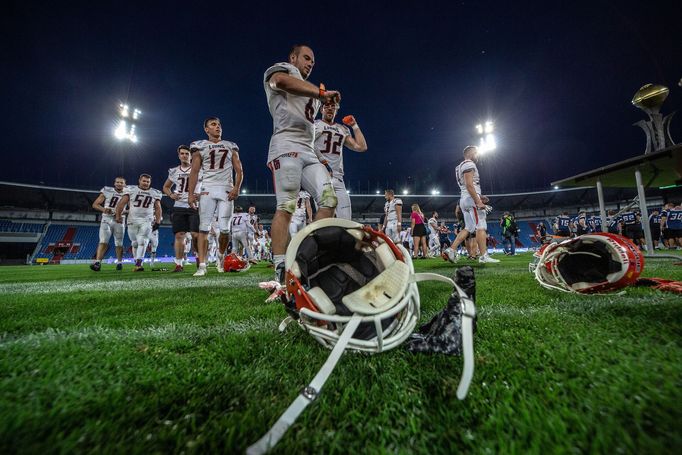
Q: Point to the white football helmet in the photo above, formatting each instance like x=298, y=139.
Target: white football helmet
x=590, y=263
x=351, y=287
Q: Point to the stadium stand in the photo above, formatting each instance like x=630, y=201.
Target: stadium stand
x=58, y=224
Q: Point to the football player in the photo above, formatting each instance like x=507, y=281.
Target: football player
x=241, y=230
x=472, y=204
x=254, y=220
x=632, y=227
x=434, y=240
x=293, y=103
x=303, y=214
x=184, y=218
x=217, y=159
x=330, y=138
x=671, y=222
x=393, y=216
x=144, y=202
x=562, y=225
x=106, y=203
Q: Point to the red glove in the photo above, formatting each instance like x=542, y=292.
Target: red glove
x=349, y=120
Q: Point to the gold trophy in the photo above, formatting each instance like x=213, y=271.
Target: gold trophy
x=650, y=98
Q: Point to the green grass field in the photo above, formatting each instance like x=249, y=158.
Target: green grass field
x=155, y=362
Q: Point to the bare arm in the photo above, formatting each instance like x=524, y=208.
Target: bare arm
x=97, y=205
x=194, y=178
x=282, y=81
x=157, y=211
x=120, y=206
x=238, y=176
x=167, y=190
x=357, y=143
x=399, y=215
x=469, y=183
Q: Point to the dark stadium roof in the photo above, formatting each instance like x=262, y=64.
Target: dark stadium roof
x=662, y=168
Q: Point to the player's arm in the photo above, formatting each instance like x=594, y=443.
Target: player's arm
x=286, y=83
x=399, y=215
x=157, y=211
x=98, y=204
x=193, y=179
x=357, y=143
x=167, y=190
x=238, y=176
x=120, y=206
x=469, y=183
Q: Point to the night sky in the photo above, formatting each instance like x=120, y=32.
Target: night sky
x=418, y=76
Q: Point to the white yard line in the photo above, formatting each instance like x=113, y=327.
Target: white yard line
x=52, y=287
x=165, y=332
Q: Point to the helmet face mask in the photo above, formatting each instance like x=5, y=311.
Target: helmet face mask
x=591, y=263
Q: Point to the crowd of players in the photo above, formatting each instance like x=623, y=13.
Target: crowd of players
x=665, y=225
x=306, y=161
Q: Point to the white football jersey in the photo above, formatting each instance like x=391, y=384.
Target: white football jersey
x=180, y=178
x=301, y=213
x=329, y=140
x=240, y=223
x=141, y=203
x=467, y=166
x=254, y=220
x=111, y=198
x=390, y=210
x=216, y=162
x=293, y=116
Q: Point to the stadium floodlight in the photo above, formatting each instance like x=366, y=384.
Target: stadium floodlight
x=348, y=191
x=556, y=187
x=378, y=192
x=125, y=130
x=487, y=140
x=435, y=192
x=404, y=192
x=243, y=190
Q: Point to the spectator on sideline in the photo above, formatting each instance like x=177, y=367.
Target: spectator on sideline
x=418, y=230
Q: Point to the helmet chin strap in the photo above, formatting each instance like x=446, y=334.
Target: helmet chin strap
x=468, y=316
x=307, y=394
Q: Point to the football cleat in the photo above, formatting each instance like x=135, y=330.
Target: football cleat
x=450, y=255
x=95, y=266
x=485, y=259
x=201, y=271
x=178, y=268
x=138, y=268
x=119, y=266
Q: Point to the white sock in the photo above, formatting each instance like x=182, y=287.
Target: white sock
x=278, y=258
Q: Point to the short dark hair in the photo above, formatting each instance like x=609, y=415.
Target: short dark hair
x=389, y=191
x=146, y=175
x=209, y=119
x=183, y=147
x=238, y=209
x=467, y=148
x=296, y=48
x=119, y=177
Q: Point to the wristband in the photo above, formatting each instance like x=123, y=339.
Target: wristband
x=323, y=90
x=356, y=126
